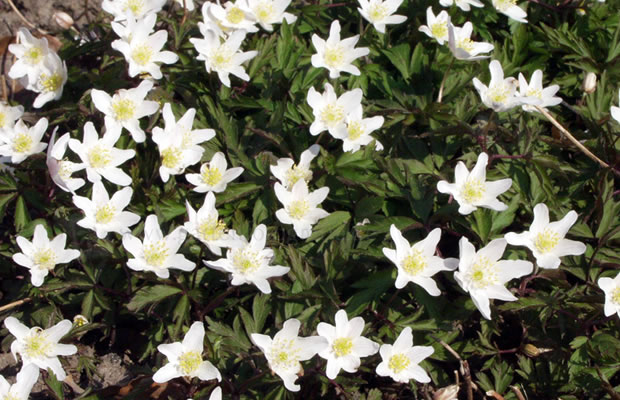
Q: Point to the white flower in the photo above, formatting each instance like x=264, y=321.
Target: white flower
x=20, y=390
x=464, y=5
x=615, y=111
x=157, y=253
x=337, y=55
x=437, y=26
x=461, y=45
x=346, y=345
x=210, y=23
x=269, y=12
x=471, y=189
x=400, y=361
x=249, y=262
x=511, y=9
x=99, y=155
x=234, y=16
x=31, y=53
x=179, y=145
x=300, y=207
x=50, y=80
x=534, y=89
x=380, y=13
x=418, y=263
x=356, y=132
x=501, y=93
x=40, y=346
x=41, y=255
x=285, y=351
x=189, y=4
x=611, y=287
x=288, y=173
x=60, y=168
x=484, y=276
x=102, y=214
x=126, y=107
x=223, y=57
x=143, y=50
x=20, y=142
x=205, y=226
x=546, y=239
x=185, y=358
x=8, y=115
x=136, y=9
x=214, y=176
x=331, y=111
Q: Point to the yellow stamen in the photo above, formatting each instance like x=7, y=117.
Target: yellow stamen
x=466, y=44
x=211, y=229
x=398, y=362
x=135, y=6
x=342, y=346
x=171, y=157
x=22, y=143
x=235, y=15
x=246, y=260
x=334, y=56
x=189, y=362
x=34, y=55
x=45, y=259
x=546, y=240
x=211, y=175
x=377, y=12
x=615, y=296
x=483, y=273
x=355, y=130
x=504, y=5
x=499, y=93
x=36, y=345
x=99, y=156
x=105, y=214
x=439, y=29
x=296, y=173
x=264, y=11
x=332, y=114
x=222, y=57
x=142, y=54
x=50, y=83
x=414, y=263
x=298, y=208
x=284, y=354
x=2, y=120
x=473, y=190
x=123, y=109
x=156, y=253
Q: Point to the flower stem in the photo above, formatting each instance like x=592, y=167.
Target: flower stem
x=443, y=81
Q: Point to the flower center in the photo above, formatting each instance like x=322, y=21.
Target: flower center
x=171, y=157
x=99, y=156
x=504, y=5
x=80, y=320
x=615, y=296
x=466, y=44
x=246, y=261
x=355, y=130
x=439, y=29
x=189, y=362
x=235, y=15
x=34, y=55
x=50, y=83
x=298, y=208
x=398, y=362
x=211, y=229
x=10, y=396
x=142, y=54
x=342, y=346
x=533, y=92
x=377, y=12
x=64, y=170
x=36, y=345
x=332, y=114
x=483, y=273
x=296, y=173
x=2, y=120
x=546, y=240
x=105, y=214
x=414, y=263
x=284, y=354
x=221, y=57
x=500, y=92
x=123, y=109
x=211, y=176
x=45, y=258
x=22, y=143
x=264, y=11
x=156, y=253
x=473, y=190
x=334, y=56
x=135, y=6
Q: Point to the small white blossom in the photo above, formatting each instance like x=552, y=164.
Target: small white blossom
x=205, y=226
x=534, y=89
x=471, y=189
x=418, y=263
x=136, y=9
x=214, y=176
x=546, y=239
x=285, y=351
x=223, y=57
x=511, y=9
x=500, y=95
x=269, y=12
x=188, y=4
x=22, y=141
x=20, y=390
x=248, y=262
x=185, y=358
x=216, y=394
x=50, y=80
x=41, y=255
x=288, y=173
x=8, y=115
x=103, y=214
x=31, y=53
x=157, y=253
x=126, y=107
x=329, y=110
x=483, y=275
x=461, y=45
x=300, y=207
x=179, y=144
x=436, y=26
x=400, y=360
x=464, y=5
x=615, y=111
x=337, y=55
x=40, y=346
x=234, y=16
x=346, y=345
x=381, y=12
x=60, y=168
x=611, y=287
x=100, y=157
x=356, y=132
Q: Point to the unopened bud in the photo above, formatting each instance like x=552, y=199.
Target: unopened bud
x=589, y=84
x=79, y=320
x=63, y=19
x=581, y=11
x=447, y=393
x=532, y=351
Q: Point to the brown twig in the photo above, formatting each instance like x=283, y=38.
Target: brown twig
x=21, y=16
x=517, y=393
x=15, y=304
x=464, y=367
x=606, y=385
x=495, y=395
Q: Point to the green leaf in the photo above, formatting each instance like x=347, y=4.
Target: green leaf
x=151, y=294
x=22, y=216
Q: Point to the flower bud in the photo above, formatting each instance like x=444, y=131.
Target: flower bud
x=589, y=84
x=79, y=320
x=447, y=393
x=63, y=19
x=532, y=351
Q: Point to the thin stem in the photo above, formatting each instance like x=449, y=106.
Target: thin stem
x=443, y=81
x=21, y=16
x=15, y=304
